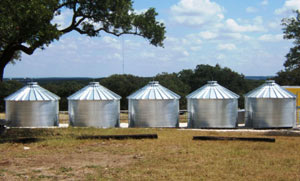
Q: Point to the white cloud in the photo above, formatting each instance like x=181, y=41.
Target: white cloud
x=264, y=2
x=185, y=53
x=227, y=46
x=140, y=11
x=111, y=42
x=233, y=26
x=237, y=36
x=258, y=20
x=208, y=35
x=251, y=9
x=195, y=48
x=64, y=19
x=271, y=38
x=147, y=54
x=197, y=12
x=221, y=57
x=288, y=6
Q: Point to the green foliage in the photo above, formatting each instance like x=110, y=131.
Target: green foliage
x=7, y=88
x=173, y=82
x=291, y=30
x=226, y=77
x=288, y=77
x=25, y=25
x=23, y=21
x=124, y=85
x=181, y=83
x=64, y=90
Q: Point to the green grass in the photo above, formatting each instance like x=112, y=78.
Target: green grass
x=58, y=155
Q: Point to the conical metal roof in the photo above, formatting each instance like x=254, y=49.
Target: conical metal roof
x=94, y=92
x=153, y=91
x=269, y=90
x=212, y=90
x=32, y=92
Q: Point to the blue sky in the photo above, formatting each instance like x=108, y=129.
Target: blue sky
x=244, y=35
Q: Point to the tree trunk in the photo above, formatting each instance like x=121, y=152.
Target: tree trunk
x=6, y=57
x=1, y=73
x=3, y=63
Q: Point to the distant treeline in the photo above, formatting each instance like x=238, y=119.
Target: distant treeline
x=182, y=83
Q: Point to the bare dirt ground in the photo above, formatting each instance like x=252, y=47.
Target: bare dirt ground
x=58, y=164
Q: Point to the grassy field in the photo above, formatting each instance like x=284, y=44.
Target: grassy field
x=57, y=154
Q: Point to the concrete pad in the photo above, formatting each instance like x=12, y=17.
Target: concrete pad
x=63, y=125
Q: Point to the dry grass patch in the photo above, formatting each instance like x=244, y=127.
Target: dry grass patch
x=64, y=118
x=2, y=115
x=173, y=156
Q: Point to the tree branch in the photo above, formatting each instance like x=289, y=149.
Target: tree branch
x=80, y=31
x=74, y=24
x=62, y=5
x=27, y=50
x=118, y=34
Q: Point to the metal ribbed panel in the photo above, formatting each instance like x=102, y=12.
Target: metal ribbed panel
x=32, y=106
x=153, y=91
x=94, y=106
x=212, y=90
x=32, y=92
x=270, y=106
x=212, y=106
x=270, y=90
x=94, y=91
x=153, y=106
x=153, y=113
x=100, y=114
x=31, y=113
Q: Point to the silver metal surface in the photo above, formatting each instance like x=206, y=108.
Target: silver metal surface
x=32, y=92
x=94, y=106
x=32, y=106
x=270, y=90
x=212, y=90
x=100, y=114
x=270, y=106
x=31, y=113
x=153, y=91
x=153, y=106
x=154, y=113
x=94, y=91
x=212, y=106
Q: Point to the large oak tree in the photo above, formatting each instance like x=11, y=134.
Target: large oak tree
x=291, y=74
x=25, y=25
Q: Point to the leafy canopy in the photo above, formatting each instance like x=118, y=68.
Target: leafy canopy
x=291, y=30
x=26, y=25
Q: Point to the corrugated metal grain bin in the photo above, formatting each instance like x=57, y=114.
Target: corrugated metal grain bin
x=153, y=106
x=212, y=106
x=32, y=106
x=270, y=106
x=94, y=106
